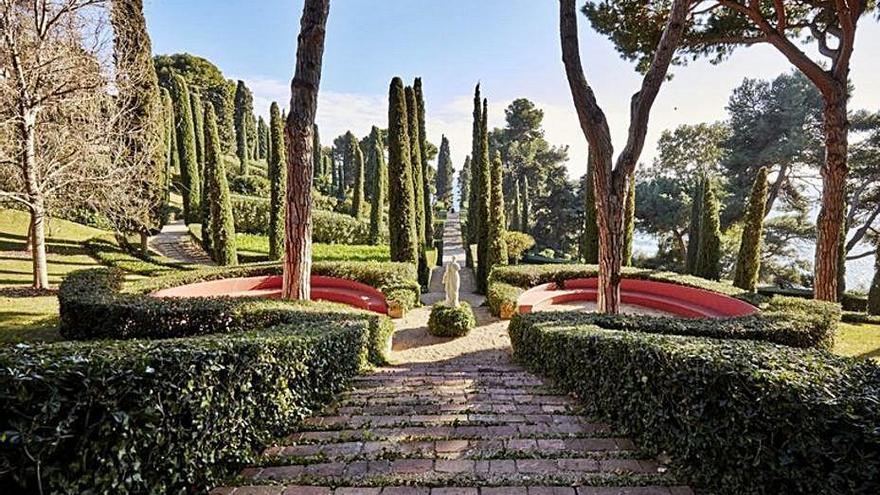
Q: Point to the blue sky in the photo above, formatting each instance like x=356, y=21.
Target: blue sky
x=510, y=46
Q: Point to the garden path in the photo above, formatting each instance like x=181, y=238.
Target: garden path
x=453, y=417
x=174, y=242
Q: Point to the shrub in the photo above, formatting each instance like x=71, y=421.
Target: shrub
x=166, y=416
x=251, y=214
x=517, y=244
x=502, y=295
x=249, y=185
x=859, y=318
x=446, y=321
x=736, y=416
x=850, y=301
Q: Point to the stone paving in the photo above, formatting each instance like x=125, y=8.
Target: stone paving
x=174, y=242
x=454, y=417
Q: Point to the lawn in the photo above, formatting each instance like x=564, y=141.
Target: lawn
x=862, y=340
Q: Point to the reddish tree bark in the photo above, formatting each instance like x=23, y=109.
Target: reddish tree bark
x=299, y=130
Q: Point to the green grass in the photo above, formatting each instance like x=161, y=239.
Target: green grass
x=862, y=340
x=26, y=318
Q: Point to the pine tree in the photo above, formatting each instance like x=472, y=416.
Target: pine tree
x=693, y=246
x=241, y=126
x=186, y=149
x=277, y=182
x=198, y=112
x=874, y=291
x=222, y=223
x=497, y=244
x=317, y=155
x=629, y=218
x=748, y=261
x=709, y=251
x=590, y=240
x=427, y=209
x=378, y=196
x=525, y=216
x=444, y=173
x=358, y=202
x=171, y=158
x=483, y=202
x=415, y=155
x=402, y=218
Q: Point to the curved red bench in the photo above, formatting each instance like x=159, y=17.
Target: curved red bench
x=323, y=289
x=672, y=298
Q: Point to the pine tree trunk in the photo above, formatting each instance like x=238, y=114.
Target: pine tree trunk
x=609, y=216
x=299, y=130
x=833, y=196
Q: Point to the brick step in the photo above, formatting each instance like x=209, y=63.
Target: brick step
x=456, y=449
x=434, y=472
x=453, y=490
x=454, y=432
x=518, y=379
x=478, y=419
x=470, y=387
x=524, y=399
x=463, y=407
x=460, y=368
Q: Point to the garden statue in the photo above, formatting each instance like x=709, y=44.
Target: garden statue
x=452, y=282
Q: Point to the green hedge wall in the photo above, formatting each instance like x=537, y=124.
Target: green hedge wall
x=163, y=416
x=736, y=416
x=850, y=301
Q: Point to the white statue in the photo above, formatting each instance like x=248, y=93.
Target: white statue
x=451, y=283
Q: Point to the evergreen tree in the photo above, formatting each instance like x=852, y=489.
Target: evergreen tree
x=516, y=208
x=198, y=113
x=473, y=217
x=222, y=223
x=427, y=210
x=277, y=182
x=171, y=157
x=317, y=154
x=186, y=149
x=207, y=180
x=525, y=216
x=497, y=245
x=629, y=219
x=709, y=251
x=358, y=201
x=693, y=246
x=378, y=195
x=415, y=155
x=444, y=173
x=874, y=291
x=262, y=139
x=483, y=202
x=402, y=218
x=241, y=126
x=590, y=239
x=748, y=261
x=464, y=184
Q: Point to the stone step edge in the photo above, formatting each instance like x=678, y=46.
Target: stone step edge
x=453, y=490
x=356, y=435
x=331, y=422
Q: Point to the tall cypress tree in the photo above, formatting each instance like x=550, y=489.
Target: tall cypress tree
x=693, y=246
x=590, y=240
x=358, y=201
x=379, y=182
x=415, y=156
x=207, y=181
x=629, y=219
x=222, y=223
x=748, y=261
x=402, y=218
x=317, y=155
x=262, y=139
x=171, y=158
x=483, y=202
x=709, y=251
x=497, y=245
x=473, y=218
x=874, y=291
x=444, y=173
x=427, y=210
x=186, y=149
x=277, y=182
x=464, y=185
x=198, y=112
x=516, y=208
x=241, y=126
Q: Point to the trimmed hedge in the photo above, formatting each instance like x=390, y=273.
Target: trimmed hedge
x=850, y=301
x=860, y=318
x=249, y=185
x=164, y=416
x=446, y=321
x=736, y=416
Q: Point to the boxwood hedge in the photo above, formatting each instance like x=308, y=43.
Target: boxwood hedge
x=737, y=416
x=162, y=416
x=783, y=320
x=446, y=321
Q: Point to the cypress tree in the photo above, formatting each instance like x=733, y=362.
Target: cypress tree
x=171, y=163
x=485, y=180
x=402, y=218
x=709, y=251
x=590, y=240
x=629, y=218
x=198, y=112
x=412, y=111
x=377, y=198
x=207, y=180
x=241, y=125
x=473, y=218
x=277, y=182
x=497, y=245
x=524, y=217
x=262, y=139
x=358, y=202
x=693, y=246
x=874, y=291
x=464, y=185
x=427, y=210
x=748, y=261
x=222, y=223
x=444, y=173
x=317, y=155
x=186, y=149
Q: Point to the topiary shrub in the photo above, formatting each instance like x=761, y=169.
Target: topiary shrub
x=446, y=321
x=249, y=185
x=736, y=416
x=517, y=244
